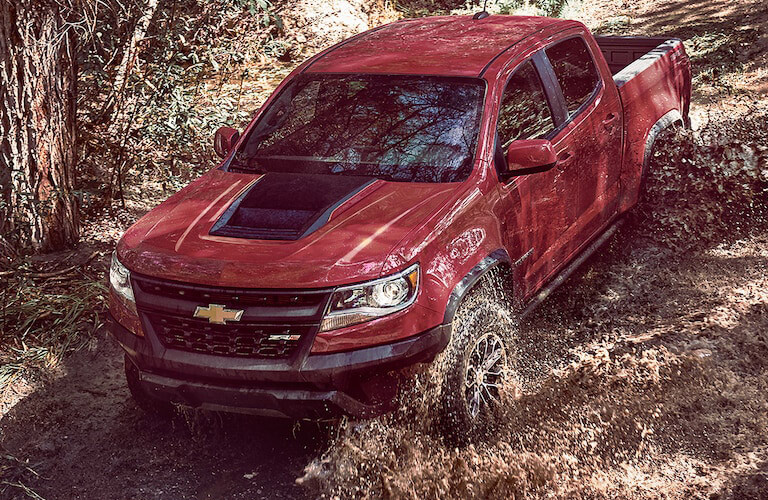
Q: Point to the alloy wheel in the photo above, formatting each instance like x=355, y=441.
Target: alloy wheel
x=487, y=369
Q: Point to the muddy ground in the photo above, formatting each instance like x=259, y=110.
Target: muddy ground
x=86, y=439
x=652, y=359
x=694, y=329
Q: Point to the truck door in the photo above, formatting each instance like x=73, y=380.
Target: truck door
x=560, y=95
x=589, y=141
x=536, y=210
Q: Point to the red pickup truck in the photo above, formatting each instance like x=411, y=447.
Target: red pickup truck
x=345, y=231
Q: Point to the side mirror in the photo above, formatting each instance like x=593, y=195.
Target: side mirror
x=224, y=140
x=529, y=157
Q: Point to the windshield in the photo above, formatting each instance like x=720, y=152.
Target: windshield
x=397, y=128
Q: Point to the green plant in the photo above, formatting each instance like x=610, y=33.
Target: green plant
x=41, y=319
x=551, y=8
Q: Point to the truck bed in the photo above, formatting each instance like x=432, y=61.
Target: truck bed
x=653, y=76
x=629, y=55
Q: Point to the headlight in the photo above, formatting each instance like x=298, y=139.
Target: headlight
x=366, y=301
x=120, y=279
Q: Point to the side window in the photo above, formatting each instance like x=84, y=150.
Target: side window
x=524, y=112
x=575, y=71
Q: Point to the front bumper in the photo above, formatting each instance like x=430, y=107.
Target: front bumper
x=315, y=386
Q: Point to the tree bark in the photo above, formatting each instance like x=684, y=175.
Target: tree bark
x=38, y=150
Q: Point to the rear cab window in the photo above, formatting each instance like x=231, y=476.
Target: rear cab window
x=575, y=71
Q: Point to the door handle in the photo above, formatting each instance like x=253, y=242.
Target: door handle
x=610, y=121
x=564, y=159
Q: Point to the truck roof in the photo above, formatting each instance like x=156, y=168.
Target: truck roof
x=440, y=45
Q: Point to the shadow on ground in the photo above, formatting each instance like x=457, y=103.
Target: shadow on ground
x=86, y=439
x=727, y=40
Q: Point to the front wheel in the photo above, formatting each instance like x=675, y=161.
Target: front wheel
x=479, y=377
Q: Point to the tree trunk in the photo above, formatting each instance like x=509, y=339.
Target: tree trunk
x=38, y=210
x=126, y=65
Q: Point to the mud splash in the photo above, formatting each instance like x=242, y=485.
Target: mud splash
x=645, y=375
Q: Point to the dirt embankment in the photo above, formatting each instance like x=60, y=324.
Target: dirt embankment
x=650, y=365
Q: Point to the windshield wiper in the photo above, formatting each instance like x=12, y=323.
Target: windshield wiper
x=246, y=166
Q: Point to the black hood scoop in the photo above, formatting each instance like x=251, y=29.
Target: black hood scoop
x=287, y=206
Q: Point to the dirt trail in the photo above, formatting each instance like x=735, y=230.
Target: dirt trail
x=86, y=439
x=661, y=346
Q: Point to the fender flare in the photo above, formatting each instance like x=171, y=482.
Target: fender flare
x=494, y=260
x=669, y=118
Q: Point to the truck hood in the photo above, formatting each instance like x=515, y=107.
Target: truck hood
x=190, y=236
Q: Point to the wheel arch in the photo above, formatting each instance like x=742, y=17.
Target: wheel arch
x=496, y=261
x=670, y=118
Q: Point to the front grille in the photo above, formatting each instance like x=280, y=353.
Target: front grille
x=231, y=296
x=242, y=340
x=274, y=323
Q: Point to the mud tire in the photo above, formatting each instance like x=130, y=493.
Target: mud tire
x=150, y=405
x=481, y=314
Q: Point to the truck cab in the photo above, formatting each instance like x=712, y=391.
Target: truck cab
x=349, y=229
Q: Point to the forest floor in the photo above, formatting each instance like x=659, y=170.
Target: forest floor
x=653, y=357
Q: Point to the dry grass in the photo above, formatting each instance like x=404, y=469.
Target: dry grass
x=46, y=312
x=14, y=474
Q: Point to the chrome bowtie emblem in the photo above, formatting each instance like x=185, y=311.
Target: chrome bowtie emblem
x=217, y=313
